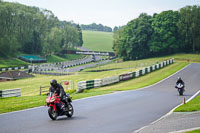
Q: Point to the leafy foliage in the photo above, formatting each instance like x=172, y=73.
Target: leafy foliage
x=132, y=41
x=165, y=35
x=34, y=31
x=188, y=26
x=96, y=27
x=161, y=34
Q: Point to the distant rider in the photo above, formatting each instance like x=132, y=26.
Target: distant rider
x=55, y=87
x=180, y=81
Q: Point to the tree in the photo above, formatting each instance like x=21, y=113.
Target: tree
x=34, y=31
x=96, y=27
x=165, y=37
x=80, y=43
x=132, y=42
x=115, y=28
x=53, y=41
x=188, y=26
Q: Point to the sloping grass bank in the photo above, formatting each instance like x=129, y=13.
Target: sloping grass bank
x=4, y=63
x=98, y=41
x=193, y=105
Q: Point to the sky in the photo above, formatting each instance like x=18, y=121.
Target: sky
x=107, y=12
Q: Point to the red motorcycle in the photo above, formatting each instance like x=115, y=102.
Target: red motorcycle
x=57, y=107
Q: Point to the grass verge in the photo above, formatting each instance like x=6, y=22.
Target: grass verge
x=193, y=105
x=5, y=63
x=195, y=131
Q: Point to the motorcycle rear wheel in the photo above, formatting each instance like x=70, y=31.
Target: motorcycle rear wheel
x=52, y=114
x=70, y=111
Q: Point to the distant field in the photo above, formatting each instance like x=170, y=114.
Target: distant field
x=98, y=41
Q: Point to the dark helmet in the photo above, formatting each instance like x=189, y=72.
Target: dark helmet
x=179, y=78
x=53, y=83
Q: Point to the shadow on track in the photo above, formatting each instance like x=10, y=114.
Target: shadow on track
x=72, y=118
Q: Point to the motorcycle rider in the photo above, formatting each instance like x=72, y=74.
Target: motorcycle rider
x=180, y=81
x=55, y=87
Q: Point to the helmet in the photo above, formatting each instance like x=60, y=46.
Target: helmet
x=179, y=78
x=53, y=83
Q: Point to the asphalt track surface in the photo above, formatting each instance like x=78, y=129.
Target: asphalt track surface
x=120, y=112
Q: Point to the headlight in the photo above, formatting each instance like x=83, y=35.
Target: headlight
x=52, y=100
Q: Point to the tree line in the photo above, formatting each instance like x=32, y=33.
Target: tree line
x=96, y=27
x=31, y=30
x=161, y=34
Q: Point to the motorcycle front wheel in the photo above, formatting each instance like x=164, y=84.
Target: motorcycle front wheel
x=180, y=92
x=52, y=114
x=70, y=111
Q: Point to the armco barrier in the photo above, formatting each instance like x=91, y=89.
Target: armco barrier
x=137, y=74
x=81, y=86
x=10, y=92
x=124, y=77
x=134, y=74
x=89, y=84
x=140, y=72
x=85, y=85
x=13, y=68
x=111, y=80
x=97, y=83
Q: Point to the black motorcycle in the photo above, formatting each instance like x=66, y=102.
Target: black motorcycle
x=180, y=88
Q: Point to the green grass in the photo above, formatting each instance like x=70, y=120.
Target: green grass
x=4, y=63
x=185, y=57
x=195, y=131
x=54, y=58
x=98, y=41
x=193, y=105
x=19, y=103
x=127, y=65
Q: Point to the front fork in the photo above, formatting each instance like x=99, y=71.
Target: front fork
x=53, y=106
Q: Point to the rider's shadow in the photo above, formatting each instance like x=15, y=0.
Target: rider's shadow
x=185, y=95
x=71, y=118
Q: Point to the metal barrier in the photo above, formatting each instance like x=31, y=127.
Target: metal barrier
x=10, y=93
x=44, y=90
x=114, y=79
